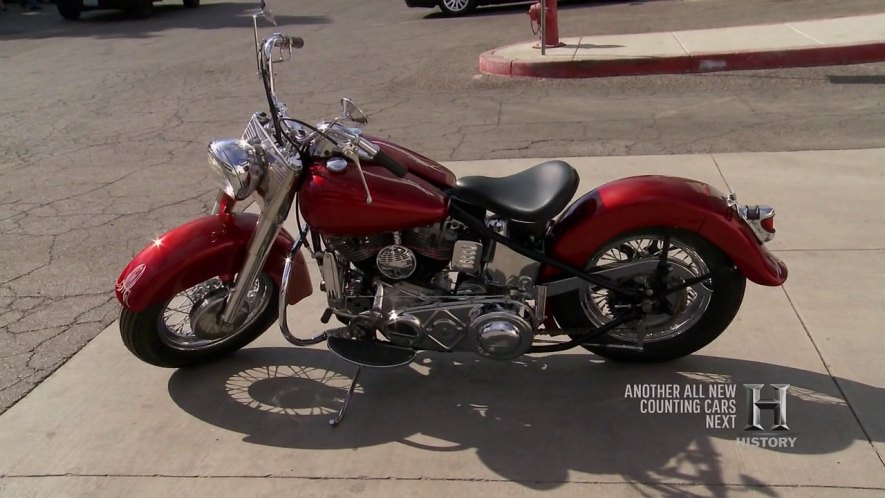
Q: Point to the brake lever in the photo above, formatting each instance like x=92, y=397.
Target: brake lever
x=350, y=151
x=282, y=57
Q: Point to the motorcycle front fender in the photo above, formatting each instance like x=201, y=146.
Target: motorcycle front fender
x=665, y=202
x=213, y=245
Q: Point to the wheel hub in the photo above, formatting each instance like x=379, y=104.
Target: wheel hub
x=205, y=316
x=664, y=317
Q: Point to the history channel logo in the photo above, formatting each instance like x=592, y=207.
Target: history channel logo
x=717, y=402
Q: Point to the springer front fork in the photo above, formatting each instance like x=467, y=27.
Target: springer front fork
x=273, y=214
x=269, y=225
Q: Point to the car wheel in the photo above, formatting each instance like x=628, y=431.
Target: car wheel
x=142, y=9
x=69, y=9
x=191, y=4
x=457, y=7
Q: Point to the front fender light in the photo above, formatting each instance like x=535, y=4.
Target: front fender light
x=238, y=165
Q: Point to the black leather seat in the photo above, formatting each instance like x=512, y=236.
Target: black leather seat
x=536, y=194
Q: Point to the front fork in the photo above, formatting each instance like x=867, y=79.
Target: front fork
x=270, y=221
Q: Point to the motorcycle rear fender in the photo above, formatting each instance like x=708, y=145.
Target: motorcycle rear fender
x=213, y=245
x=660, y=201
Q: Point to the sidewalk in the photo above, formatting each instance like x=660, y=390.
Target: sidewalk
x=255, y=424
x=846, y=40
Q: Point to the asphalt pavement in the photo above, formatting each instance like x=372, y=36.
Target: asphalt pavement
x=256, y=423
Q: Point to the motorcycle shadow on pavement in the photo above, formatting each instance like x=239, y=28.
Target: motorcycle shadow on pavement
x=531, y=420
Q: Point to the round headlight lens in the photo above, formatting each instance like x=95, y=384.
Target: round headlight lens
x=237, y=163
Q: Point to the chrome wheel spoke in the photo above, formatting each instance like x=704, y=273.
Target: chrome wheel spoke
x=455, y=5
x=175, y=326
x=602, y=305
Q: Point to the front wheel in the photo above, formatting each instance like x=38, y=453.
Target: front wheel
x=183, y=331
x=693, y=317
x=457, y=7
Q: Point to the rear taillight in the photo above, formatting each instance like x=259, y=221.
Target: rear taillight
x=761, y=220
x=768, y=224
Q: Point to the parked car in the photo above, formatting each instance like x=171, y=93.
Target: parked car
x=456, y=7
x=71, y=9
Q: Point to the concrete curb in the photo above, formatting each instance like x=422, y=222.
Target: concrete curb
x=489, y=63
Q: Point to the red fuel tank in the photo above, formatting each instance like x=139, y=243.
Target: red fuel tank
x=418, y=165
x=334, y=203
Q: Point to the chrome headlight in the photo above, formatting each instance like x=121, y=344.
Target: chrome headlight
x=238, y=165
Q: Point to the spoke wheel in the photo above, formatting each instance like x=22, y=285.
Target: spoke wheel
x=177, y=324
x=182, y=330
x=678, y=325
x=603, y=305
x=457, y=7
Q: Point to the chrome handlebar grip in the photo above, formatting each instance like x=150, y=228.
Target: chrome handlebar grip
x=276, y=41
x=280, y=41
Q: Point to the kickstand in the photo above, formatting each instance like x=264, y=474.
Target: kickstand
x=337, y=420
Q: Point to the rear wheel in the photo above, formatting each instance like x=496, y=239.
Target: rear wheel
x=695, y=316
x=69, y=9
x=457, y=7
x=183, y=331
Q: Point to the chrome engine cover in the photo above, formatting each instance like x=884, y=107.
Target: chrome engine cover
x=396, y=262
x=500, y=334
x=496, y=327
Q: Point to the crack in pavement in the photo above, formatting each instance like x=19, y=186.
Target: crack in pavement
x=742, y=485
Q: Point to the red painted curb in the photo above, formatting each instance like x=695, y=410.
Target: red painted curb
x=489, y=63
x=804, y=57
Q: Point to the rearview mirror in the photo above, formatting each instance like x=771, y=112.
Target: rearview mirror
x=353, y=112
x=265, y=11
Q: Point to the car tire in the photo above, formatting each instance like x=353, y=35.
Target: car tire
x=457, y=7
x=142, y=9
x=191, y=4
x=69, y=9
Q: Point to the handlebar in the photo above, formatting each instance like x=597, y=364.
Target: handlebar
x=279, y=41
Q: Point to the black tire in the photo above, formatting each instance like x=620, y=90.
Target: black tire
x=191, y=4
x=457, y=7
x=69, y=9
x=728, y=292
x=141, y=9
x=141, y=335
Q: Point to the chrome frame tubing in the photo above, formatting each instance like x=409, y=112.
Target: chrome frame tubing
x=284, y=292
x=269, y=224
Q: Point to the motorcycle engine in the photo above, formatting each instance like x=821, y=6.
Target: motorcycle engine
x=421, y=310
x=397, y=256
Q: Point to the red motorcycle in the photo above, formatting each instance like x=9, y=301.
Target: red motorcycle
x=647, y=268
